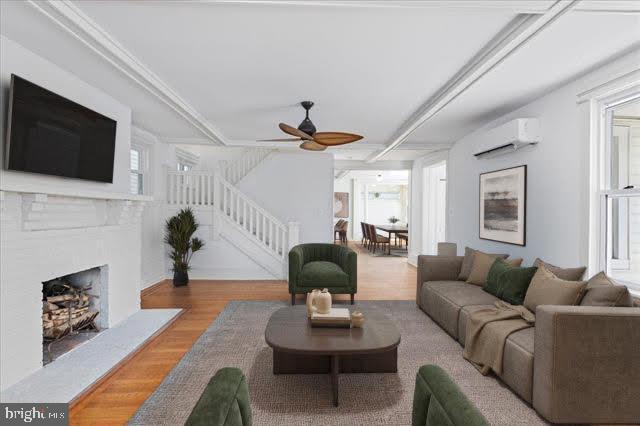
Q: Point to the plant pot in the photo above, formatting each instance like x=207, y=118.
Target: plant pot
x=180, y=278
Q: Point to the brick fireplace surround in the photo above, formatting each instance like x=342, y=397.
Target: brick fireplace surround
x=51, y=235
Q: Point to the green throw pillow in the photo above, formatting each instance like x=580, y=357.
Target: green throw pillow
x=497, y=268
x=514, y=284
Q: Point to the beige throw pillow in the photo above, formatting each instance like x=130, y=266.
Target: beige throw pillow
x=482, y=263
x=569, y=274
x=548, y=289
x=467, y=262
x=603, y=291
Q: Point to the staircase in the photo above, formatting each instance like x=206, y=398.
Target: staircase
x=235, y=217
x=234, y=172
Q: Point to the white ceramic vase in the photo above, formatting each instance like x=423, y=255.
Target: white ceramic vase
x=323, y=301
x=311, y=304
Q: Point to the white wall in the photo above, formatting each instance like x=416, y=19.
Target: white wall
x=160, y=158
x=418, y=211
x=557, y=177
x=17, y=60
x=296, y=187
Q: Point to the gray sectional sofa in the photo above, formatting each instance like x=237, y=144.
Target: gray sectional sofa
x=579, y=364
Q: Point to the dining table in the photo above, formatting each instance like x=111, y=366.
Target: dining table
x=393, y=229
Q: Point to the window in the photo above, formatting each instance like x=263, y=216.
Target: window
x=136, y=175
x=620, y=195
x=183, y=167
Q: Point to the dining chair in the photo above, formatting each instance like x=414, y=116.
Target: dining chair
x=367, y=236
x=379, y=239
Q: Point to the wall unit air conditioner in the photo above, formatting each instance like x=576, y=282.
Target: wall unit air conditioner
x=508, y=138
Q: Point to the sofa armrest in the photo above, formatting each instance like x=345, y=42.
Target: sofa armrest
x=296, y=262
x=587, y=364
x=436, y=268
x=225, y=401
x=438, y=400
x=349, y=264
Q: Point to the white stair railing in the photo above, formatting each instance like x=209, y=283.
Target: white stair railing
x=252, y=219
x=212, y=191
x=192, y=188
x=239, y=168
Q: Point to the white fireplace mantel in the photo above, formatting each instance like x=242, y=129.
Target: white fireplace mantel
x=28, y=188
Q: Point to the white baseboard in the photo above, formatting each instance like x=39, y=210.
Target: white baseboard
x=230, y=274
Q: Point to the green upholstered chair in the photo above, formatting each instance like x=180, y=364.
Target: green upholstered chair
x=437, y=400
x=320, y=265
x=224, y=402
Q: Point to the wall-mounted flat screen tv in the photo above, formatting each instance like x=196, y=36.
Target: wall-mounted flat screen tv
x=49, y=134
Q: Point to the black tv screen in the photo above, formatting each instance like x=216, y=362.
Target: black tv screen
x=52, y=135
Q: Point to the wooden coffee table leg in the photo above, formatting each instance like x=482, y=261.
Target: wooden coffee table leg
x=335, y=370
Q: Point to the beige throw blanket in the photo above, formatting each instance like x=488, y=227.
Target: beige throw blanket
x=487, y=332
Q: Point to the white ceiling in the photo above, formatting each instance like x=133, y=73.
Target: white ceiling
x=242, y=66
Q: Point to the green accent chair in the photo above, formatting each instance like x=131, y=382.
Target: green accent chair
x=319, y=265
x=224, y=402
x=437, y=400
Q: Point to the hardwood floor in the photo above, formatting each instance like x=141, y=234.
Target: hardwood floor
x=116, y=399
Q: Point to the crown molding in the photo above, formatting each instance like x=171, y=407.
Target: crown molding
x=521, y=6
x=512, y=38
x=71, y=19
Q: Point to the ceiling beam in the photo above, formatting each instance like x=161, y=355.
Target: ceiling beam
x=512, y=38
x=380, y=165
x=341, y=174
x=71, y=19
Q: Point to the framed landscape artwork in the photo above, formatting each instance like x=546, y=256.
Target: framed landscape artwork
x=503, y=198
x=340, y=204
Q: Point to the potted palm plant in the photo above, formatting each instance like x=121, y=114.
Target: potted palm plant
x=179, y=231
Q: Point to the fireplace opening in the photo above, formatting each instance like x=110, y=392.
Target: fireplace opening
x=70, y=311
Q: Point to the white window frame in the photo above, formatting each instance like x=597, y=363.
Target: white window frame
x=145, y=161
x=186, y=161
x=598, y=102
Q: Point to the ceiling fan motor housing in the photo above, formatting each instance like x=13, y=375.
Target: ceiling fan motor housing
x=307, y=126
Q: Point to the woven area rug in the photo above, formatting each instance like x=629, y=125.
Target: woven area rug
x=236, y=339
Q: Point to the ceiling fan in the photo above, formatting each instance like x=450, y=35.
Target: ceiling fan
x=311, y=139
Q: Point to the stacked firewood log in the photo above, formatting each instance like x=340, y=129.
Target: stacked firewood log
x=66, y=312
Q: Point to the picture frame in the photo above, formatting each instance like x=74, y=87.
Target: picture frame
x=341, y=204
x=503, y=205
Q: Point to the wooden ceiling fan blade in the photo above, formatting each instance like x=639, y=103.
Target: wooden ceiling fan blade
x=312, y=146
x=294, y=132
x=279, y=140
x=335, y=138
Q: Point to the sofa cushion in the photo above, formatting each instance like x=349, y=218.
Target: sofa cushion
x=443, y=299
x=547, y=289
x=464, y=315
x=467, y=263
x=497, y=268
x=482, y=264
x=569, y=274
x=321, y=273
x=611, y=295
x=517, y=362
x=514, y=284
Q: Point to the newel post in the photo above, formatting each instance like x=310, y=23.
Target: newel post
x=293, y=233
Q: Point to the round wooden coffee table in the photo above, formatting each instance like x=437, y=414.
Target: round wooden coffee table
x=299, y=348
